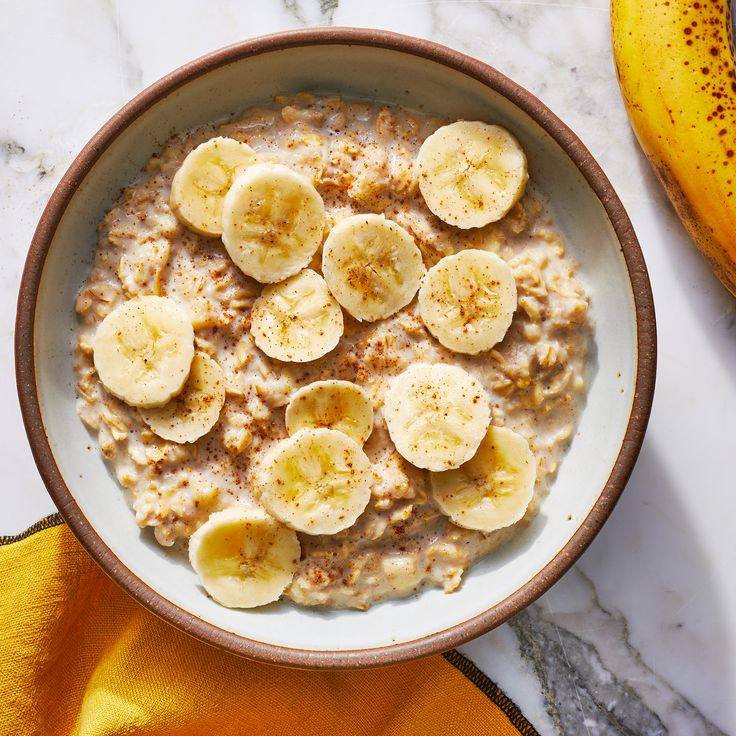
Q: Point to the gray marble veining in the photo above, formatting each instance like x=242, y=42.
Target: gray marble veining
x=594, y=681
x=131, y=73
x=308, y=12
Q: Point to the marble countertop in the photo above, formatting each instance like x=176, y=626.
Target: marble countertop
x=640, y=636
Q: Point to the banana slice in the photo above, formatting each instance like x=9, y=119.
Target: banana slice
x=318, y=481
x=337, y=405
x=297, y=320
x=493, y=489
x=471, y=173
x=467, y=301
x=436, y=415
x=192, y=413
x=372, y=266
x=143, y=350
x=244, y=557
x=202, y=181
x=272, y=222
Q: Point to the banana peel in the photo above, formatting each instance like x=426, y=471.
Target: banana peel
x=676, y=69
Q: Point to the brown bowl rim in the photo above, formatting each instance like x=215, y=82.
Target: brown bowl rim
x=432, y=643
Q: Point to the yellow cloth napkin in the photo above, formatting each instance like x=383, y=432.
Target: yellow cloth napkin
x=79, y=656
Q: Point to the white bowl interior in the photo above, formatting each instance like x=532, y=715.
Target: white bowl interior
x=396, y=77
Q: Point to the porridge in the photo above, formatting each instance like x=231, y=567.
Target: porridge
x=358, y=392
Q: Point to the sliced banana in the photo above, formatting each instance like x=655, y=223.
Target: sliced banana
x=244, y=557
x=436, y=415
x=372, y=266
x=494, y=488
x=340, y=405
x=318, y=481
x=272, y=222
x=467, y=301
x=194, y=412
x=143, y=350
x=297, y=320
x=204, y=178
x=471, y=173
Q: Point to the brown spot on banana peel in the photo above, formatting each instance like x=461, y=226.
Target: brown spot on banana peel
x=700, y=232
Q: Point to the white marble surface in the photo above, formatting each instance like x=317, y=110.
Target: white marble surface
x=641, y=636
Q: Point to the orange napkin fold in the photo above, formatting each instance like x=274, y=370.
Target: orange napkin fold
x=78, y=656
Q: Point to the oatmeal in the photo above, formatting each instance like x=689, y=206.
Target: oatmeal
x=361, y=159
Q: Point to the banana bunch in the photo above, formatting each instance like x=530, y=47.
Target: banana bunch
x=675, y=64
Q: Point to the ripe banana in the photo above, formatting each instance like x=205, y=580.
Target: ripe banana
x=467, y=301
x=494, y=488
x=194, y=412
x=202, y=181
x=372, y=266
x=676, y=68
x=244, y=557
x=297, y=320
x=332, y=404
x=318, y=481
x=471, y=173
x=272, y=222
x=143, y=350
x=436, y=415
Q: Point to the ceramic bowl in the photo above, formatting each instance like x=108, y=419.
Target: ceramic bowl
x=383, y=67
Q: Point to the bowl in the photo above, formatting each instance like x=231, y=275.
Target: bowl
x=378, y=66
